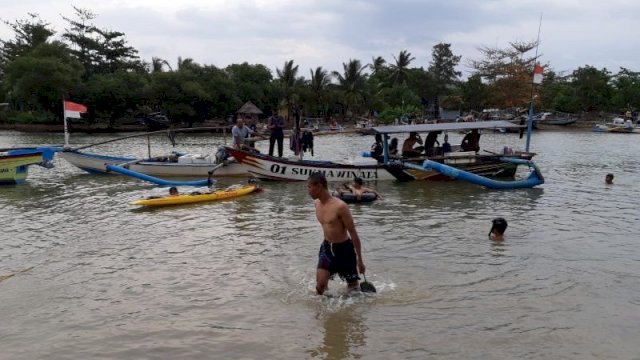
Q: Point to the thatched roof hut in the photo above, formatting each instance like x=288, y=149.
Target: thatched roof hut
x=249, y=108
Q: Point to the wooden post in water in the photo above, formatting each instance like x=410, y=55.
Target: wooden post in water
x=149, y=145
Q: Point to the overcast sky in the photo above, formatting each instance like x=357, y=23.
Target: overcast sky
x=328, y=33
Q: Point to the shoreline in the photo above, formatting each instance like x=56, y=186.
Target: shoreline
x=220, y=128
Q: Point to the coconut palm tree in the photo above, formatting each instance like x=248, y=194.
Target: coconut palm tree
x=400, y=70
x=377, y=65
x=187, y=64
x=289, y=82
x=352, y=83
x=320, y=80
x=158, y=64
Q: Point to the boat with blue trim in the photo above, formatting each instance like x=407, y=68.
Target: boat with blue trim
x=14, y=163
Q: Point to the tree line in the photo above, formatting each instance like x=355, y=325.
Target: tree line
x=98, y=68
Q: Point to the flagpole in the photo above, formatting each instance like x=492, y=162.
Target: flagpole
x=535, y=61
x=66, y=129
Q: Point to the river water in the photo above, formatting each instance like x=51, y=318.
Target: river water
x=94, y=277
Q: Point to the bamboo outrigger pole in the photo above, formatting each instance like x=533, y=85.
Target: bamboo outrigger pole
x=535, y=61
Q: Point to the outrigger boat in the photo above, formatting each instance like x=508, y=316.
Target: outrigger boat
x=14, y=163
x=274, y=168
x=617, y=125
x=175, y=164
x=489, y=165
x=486, y=164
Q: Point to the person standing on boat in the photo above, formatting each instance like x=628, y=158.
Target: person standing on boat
x=276, y=125
x=240, y=135
x=338, y=253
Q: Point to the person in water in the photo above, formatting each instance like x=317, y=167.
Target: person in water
x=357, y=189
x=341, y=250
x=608, y=179
x=498, y=227
x=173, y=191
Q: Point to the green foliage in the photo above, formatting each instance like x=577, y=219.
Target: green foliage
x=352, y=84
x=626, y=90
x=400, y=70
x=26, y=117
x=473, y=93
x=96, y=67
x=29, y=34
x=316, y=93
x=443, y=67
x=507, y=72
x=252, y=83
x=99, y=51
x=111, y=97
x=592, y=88
x=390, y=114
x=38, y=79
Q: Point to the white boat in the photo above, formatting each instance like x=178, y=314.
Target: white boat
x=275, y=168
x=617, y=125
x=170, y=166
x=490, y=164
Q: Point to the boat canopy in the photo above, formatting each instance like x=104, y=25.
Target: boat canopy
x=396, y=129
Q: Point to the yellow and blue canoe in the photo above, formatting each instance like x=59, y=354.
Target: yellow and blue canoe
x=198, y=197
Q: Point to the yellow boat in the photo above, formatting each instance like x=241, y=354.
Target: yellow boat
x=196, y=197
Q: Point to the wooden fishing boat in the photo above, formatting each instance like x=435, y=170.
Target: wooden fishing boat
x=14, y=163
x=484, y=163
x=274, y=168
x=196, y=197
x=547, y=118
x=487, y=163
x=170, y=165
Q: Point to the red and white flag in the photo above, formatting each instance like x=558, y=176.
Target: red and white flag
x=537, y=74
x=73, y=110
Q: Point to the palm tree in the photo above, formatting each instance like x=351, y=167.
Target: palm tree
x=352, y=83
x=157, y=64
x=320, y=80
x=287, y=77
x=187, y=63
x=377, y=65
x=400, y=70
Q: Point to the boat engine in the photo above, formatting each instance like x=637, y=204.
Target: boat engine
x=221, y=155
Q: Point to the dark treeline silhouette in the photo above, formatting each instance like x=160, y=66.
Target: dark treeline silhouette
x=96, y=67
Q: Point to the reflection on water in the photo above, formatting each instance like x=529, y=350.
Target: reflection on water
x=235, y=279
x=344, y=334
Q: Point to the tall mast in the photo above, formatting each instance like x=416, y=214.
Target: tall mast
x=535, y=62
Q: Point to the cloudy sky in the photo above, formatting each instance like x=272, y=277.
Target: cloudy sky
x=328, y=33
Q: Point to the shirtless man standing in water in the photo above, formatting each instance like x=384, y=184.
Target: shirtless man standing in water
x=338, y=253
